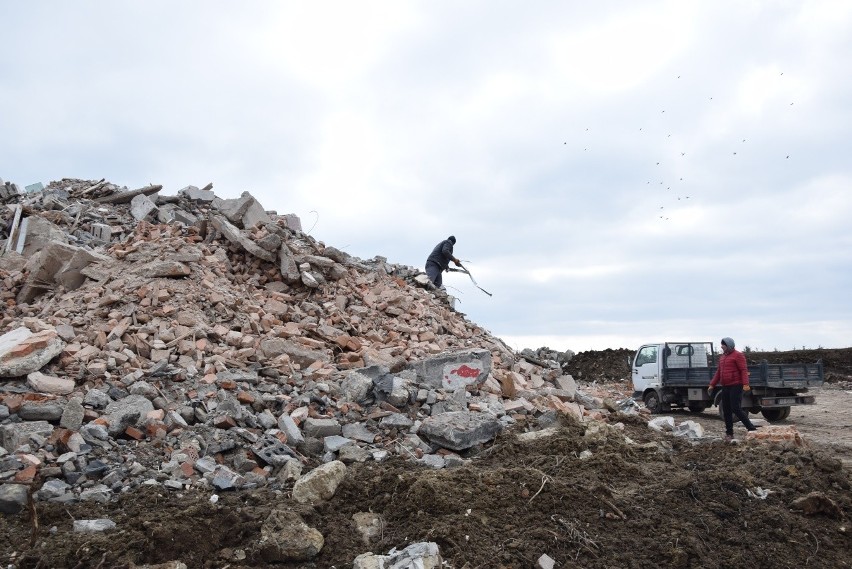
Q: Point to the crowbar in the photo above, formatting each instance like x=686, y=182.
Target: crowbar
x=463, y=269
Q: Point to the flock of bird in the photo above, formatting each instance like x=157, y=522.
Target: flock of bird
x=682, y=197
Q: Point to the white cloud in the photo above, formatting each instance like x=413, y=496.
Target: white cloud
x=558, y=142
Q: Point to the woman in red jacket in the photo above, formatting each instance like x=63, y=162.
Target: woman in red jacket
x=732, y=374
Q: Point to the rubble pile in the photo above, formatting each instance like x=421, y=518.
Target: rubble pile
x=194, y=341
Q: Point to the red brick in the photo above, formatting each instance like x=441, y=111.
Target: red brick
x=26, y=475
x=134, y=433
x=245, y=397
x=187, y=468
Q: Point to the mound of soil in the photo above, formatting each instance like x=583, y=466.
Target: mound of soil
x=611, y=365
x=647, y=500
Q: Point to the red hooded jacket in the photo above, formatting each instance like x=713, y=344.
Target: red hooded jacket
x=732, y=370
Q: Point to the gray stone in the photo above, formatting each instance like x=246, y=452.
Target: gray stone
x=130, y=411
x=356, y=387
x=225, y=479
x=50, y=384
x=284, y=537
x=393, y=389
x=353, y=453
x=93, y=526
x=272, y=242
x=320, y=484
x=292, y=221
x=334, y=443
x=290, y=429
x=433, y=461
x=369, y=525
x=291, y=471
x=99, y=493
x=567, y=383
x=205, y=464
x=71, y=274
x=144, y=389
x=422, y=555
x=17, y=434
x=454, y=371
x=40, y=411
x=193, y=193
x=309, y=280
x=235, y=236
x=321, y=427
x=267, y=420
x=97, y=399
x=66, y=332
x=13, y=498
x=244, y=211
x=53, y=489
x=460, y=430
x=37, y=232
x=397, y=420
x=358, y=432
x=141, y=207
x=288, y=266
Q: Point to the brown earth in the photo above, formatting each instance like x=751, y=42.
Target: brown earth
x=665, y=504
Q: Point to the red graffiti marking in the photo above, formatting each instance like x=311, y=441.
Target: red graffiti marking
x=465, y=371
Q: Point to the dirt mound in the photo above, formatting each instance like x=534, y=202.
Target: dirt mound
x=601, y=366
x=611, y=365
x=585, y=496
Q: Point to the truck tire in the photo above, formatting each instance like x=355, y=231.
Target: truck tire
x=653, y=402
x=775, y=415
x=697, y=407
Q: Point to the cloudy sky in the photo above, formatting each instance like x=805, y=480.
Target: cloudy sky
x=615, y=172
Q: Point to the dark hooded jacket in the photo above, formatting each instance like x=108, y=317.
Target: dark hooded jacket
x=442, y=254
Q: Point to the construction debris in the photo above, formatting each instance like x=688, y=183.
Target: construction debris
x=244, y=348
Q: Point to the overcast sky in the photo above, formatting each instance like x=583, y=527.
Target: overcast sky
x=615, y=172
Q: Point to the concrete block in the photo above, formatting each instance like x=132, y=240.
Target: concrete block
x=102, y=232
x=245, y=211
x=193, y=193
x=292, y=221
x=36, y=233
x=33, y=188
x=141, y=207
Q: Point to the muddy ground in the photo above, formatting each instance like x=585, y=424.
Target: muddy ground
x=649, y=500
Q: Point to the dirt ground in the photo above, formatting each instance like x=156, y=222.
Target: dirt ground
x=828, y=422
x=648, y=500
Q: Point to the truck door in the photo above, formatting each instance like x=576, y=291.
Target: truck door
x=646, y=368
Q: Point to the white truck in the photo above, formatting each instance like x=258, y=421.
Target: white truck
x=677, y=374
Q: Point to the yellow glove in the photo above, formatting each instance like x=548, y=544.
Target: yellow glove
x=746, y=387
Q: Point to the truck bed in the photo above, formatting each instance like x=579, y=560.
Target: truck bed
x=789, y=376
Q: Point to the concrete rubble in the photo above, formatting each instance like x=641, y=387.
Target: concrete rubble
x=189, y=341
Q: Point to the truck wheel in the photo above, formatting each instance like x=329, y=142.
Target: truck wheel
x=653, y=403
x=697, y=407
x=777, y=414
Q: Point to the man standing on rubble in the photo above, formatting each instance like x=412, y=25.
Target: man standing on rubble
x=439, y=260
x=732, y=373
